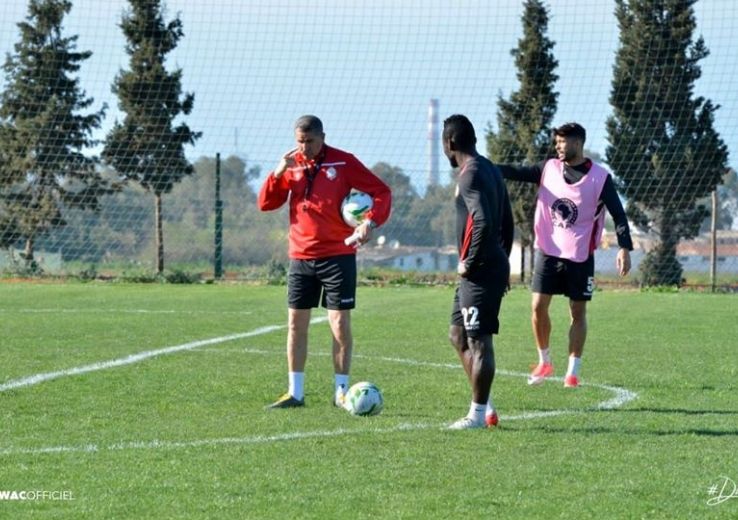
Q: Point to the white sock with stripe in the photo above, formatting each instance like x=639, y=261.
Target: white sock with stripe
x=476, y=412
x=490, y=406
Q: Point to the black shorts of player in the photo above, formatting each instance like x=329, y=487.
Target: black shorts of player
x=477, y=302
x=328, y=281
x=553, y=275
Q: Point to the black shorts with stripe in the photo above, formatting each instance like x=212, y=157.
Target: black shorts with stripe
x=477, y=302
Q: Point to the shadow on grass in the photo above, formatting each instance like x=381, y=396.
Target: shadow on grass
x=680, y=411
x=631, y=430
x=702, y=432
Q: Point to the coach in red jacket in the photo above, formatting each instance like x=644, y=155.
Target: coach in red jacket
x=314, y=179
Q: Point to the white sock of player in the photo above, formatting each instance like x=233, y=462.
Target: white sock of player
x=296, y=385
x=544, y=355
x=575, y=364
x=342, y=380
x=490, y=406
x=476, y=412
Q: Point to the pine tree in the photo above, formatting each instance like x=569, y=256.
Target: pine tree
x=43, y=136
x=147, y=147
x=664, y=150
x=524, y=133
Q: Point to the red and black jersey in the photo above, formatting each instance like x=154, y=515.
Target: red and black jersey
x=315, y=190
x=484, y=222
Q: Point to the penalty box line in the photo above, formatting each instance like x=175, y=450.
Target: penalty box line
x=138, y=357
x=621, y=397
x=262, y=439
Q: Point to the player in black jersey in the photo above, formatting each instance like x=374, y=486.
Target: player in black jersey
x=484, y=228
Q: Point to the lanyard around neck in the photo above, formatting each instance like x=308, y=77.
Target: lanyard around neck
x=310, y=171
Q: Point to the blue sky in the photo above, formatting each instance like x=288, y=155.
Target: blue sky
x=369, y=69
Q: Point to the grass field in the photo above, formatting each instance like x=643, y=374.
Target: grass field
x=179, y=431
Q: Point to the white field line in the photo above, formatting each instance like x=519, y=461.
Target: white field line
x=116, y=311
x=136, y=358
x=620, y=398
x=621, y=395
x=260, y=439
x=255, y=439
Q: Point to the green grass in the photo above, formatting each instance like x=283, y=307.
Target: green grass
x=184, y=435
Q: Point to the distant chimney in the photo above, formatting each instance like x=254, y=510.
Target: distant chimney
x=434, y=138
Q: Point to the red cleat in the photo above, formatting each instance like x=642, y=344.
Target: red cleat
x=491, y=420
x=540, y=373
x=571, y=381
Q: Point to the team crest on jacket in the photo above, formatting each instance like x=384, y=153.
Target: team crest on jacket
x=564, y=213
x=331, y=173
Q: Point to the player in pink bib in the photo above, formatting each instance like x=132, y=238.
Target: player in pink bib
x=568, y=219
x=573, y=194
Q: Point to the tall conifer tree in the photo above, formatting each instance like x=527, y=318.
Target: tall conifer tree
x=664, y=150
x=524, y=131
x=148, y=146
x=43, y=135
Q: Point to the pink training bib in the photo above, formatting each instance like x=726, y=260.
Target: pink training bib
x=567, y=223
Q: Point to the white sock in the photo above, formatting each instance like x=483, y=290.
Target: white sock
x=296, y=385
x=544, y=355
x=342, y=380
x=575, y=364
x=476, y=412
x=490, y=406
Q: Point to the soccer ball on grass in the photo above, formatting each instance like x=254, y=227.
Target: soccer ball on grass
x=364, y=399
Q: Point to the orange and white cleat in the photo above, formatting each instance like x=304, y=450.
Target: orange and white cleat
x=540, y=373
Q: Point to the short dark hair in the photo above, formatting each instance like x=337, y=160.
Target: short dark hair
x=459, y=129
x=309, y=124
x=571, y=130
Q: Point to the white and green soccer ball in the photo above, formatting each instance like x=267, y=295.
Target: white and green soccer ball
x=364, y=399
x=355, y=207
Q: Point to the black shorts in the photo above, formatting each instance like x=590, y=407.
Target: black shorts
x=553, y=275
x=328, y=281
x=477, y=303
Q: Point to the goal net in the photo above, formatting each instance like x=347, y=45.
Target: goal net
x=382, y=76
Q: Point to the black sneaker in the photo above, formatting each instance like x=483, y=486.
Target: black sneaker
x=286, y=401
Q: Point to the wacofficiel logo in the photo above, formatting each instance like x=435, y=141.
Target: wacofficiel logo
x=36, y=495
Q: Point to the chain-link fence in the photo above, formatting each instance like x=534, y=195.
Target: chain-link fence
x=92, y=145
